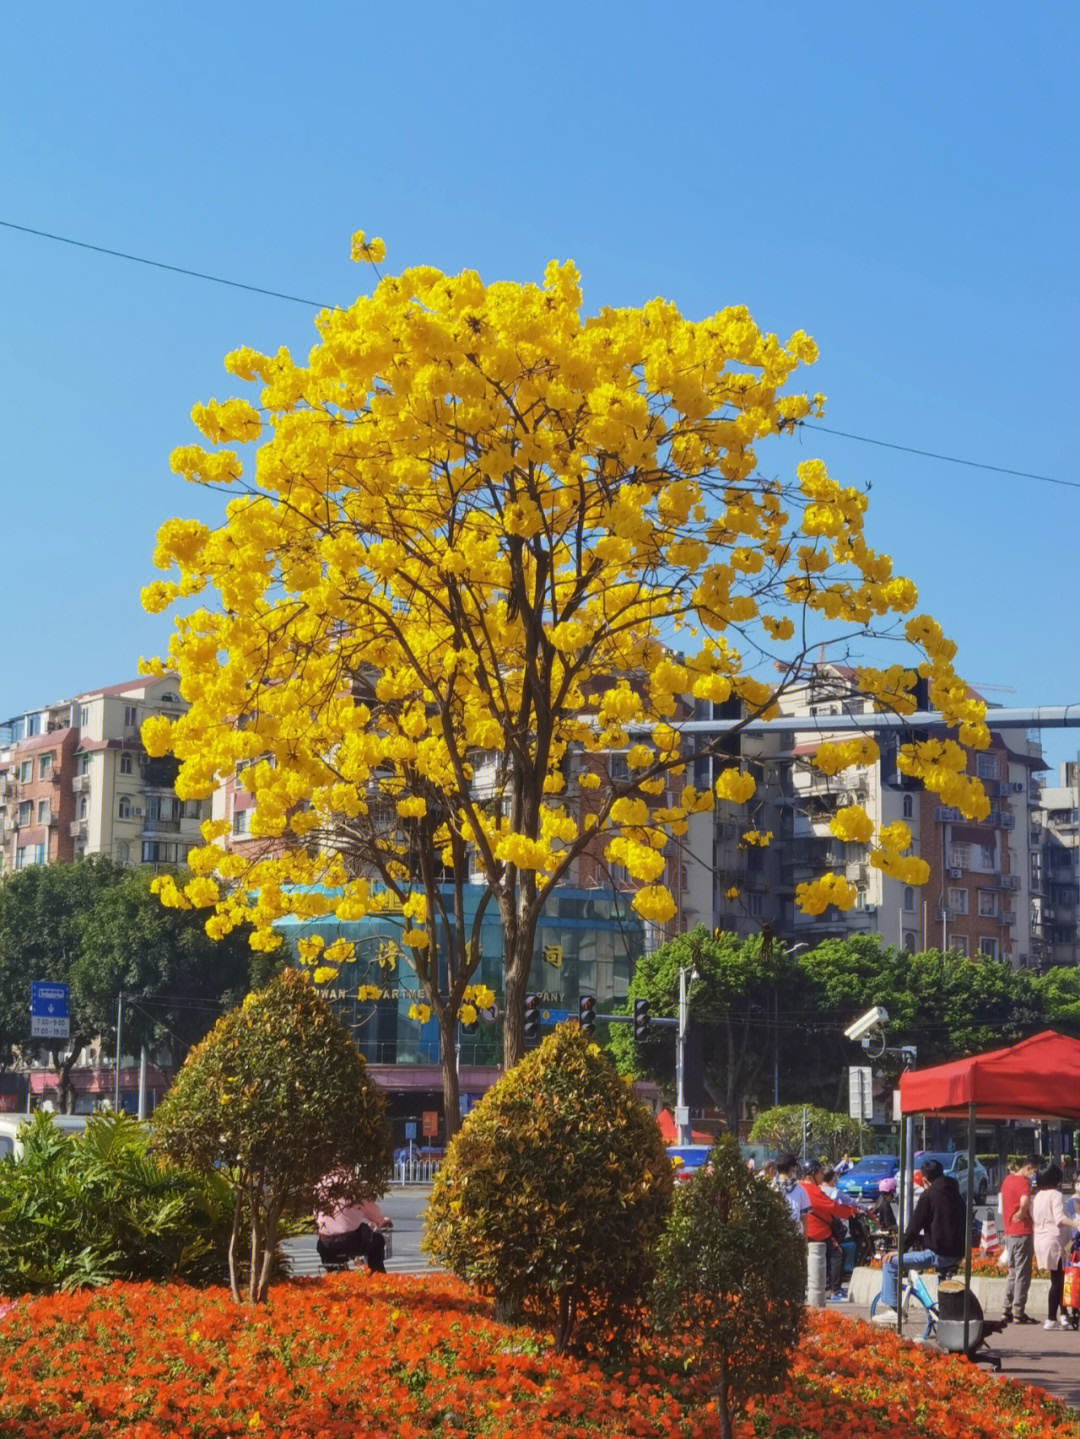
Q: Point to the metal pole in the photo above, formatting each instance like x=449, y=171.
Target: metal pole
x=1039, y=717
x=119, y=1023
x=776, y=1048
x=680, y=1064
x=968, y=1215
x=900, y=1240
x=142, y=1081
x=909, y=1169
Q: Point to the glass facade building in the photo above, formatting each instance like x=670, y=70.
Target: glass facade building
x=588, y=942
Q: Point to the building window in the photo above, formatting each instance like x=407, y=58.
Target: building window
x=958, y=901
x=26, y=813
x=753, y=905
x=131, y=715
x=33, y=725
x=84, y=763
x=987, y=902
x=960, y=856
x=909, y=898
x=909, y=806
x=123, y=852
x=125, y=764
x=39, y=854
x=84, y=716
x=26, y=771
x=242, y=817
x=986, y=766
x=988, y=948
x=43, y=811
x=989, y=856
x=20, y=857
x=958, y=942
x=45, y=764
x=124, y=810
x=909, y=941
x=83, y=807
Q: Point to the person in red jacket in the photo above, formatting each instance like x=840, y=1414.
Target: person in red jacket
x=819, y=1226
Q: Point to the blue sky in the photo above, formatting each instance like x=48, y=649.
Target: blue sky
x=906, y=192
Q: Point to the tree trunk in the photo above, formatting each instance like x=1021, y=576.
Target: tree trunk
x=450, y=1084
x=269, y=1249
x=234, y=1236
x=518, y=959
x=723, y=1400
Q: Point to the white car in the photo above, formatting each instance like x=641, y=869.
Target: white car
x=10, y=1125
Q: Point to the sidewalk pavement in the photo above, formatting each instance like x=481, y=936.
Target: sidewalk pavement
x=1029, y=1354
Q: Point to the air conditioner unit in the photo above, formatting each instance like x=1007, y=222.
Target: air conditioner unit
x=955, y=872
x=137, y=813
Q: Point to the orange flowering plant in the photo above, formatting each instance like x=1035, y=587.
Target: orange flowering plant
x=395, y=1357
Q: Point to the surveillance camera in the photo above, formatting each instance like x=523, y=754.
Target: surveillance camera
x=866, y=1022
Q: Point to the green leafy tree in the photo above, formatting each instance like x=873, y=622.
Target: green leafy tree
x=731, y=1275
x=1059, y=990
x=732, y=1000
x=554, y=1192
x=278, y=1098
x=828, y=1135
x=87, y=1209
x=95, y=926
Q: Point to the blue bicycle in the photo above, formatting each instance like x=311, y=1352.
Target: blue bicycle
x=914, y=1289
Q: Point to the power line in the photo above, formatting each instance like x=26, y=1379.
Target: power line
x=949, y=459
x=316, y=305
x=161, y=265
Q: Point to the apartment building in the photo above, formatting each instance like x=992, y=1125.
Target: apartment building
x=1055, y=869
x=979, y=897
x=75, y=780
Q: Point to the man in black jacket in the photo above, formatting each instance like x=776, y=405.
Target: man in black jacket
x=936, y=1235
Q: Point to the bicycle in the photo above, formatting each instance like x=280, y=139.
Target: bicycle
x=913, y=1287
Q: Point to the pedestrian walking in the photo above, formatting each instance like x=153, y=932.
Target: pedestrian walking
x=1053, y=1231
x=787, y=1184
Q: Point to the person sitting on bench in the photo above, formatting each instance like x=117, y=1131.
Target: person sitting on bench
x=936, y=1235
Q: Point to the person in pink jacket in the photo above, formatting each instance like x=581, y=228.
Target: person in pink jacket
x=352, y=1231
x=1053, y=1230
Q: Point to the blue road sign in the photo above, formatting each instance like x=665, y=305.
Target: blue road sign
x=49, y=1010
x=554, y=1016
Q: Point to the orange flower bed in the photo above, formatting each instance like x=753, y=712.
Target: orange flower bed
x=400, y=1357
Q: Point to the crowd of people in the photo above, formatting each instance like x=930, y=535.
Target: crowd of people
x=1041, y=1228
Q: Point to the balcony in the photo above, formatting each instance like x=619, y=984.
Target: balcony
x=160, y=826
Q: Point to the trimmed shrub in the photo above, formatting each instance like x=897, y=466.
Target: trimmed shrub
x=731, y=1277
x=829, y=1135
x=554, y=1193
x=278, y=1100
x=89, y=1208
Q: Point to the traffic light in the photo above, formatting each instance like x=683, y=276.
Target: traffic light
x=532, y=1016
x=586, y=1013
x=641, y=1020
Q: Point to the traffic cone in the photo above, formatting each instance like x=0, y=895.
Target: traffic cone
x=989, y=1240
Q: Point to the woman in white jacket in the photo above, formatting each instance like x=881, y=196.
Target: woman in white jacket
x=1053, y=1232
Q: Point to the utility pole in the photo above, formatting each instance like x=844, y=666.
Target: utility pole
x=682, y=1111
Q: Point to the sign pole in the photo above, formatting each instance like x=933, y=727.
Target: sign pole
x=119, y=1022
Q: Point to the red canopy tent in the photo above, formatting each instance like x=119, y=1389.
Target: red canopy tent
x=1037, y=1078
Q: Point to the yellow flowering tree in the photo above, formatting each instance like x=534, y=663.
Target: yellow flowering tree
x=484, y=541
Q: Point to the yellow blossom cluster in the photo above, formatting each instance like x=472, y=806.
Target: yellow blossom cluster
x=420, y=1012
x=444, y=591
x=829, y=889
x=831, y=758
x=757, y=837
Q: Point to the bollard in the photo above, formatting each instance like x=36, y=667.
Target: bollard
x=815, y=1275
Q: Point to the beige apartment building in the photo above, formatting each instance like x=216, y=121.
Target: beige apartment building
x=75, y=779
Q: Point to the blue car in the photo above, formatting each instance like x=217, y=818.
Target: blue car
x=862, y=1179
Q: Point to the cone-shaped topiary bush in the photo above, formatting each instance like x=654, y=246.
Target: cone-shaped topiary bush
x=277, y=1098
x=554, y=1193
x=731, y=1277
